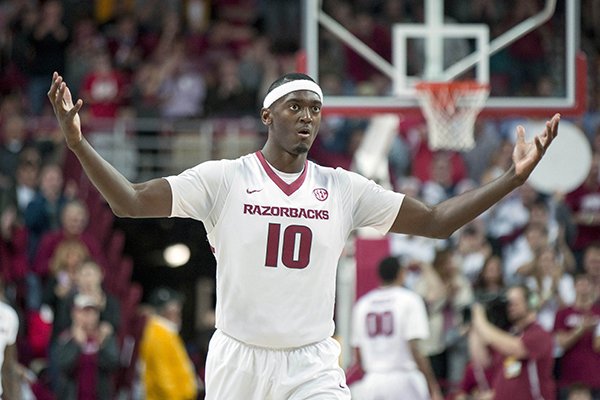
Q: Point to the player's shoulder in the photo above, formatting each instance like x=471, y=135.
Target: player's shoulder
x=250, y=157
x=411, y=294
x=382, y=293
x=368, y=297
x=338, y=173
x=211, y=165
x=321, y=169
x=228, y=166
x=405, y=295
x=241, y=161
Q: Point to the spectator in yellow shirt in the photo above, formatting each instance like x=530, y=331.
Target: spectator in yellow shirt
x=168, y=372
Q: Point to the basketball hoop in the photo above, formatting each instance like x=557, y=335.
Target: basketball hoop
x=451, y=109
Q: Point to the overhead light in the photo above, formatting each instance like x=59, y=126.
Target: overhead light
x=176, y=255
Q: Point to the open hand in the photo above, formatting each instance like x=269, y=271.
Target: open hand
x=527, y=155
x=66, y=112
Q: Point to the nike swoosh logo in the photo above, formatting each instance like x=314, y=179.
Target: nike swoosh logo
x=250, y=191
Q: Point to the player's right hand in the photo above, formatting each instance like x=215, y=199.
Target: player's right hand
x=66, y=112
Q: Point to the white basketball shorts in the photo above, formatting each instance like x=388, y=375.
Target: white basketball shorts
x=237, y=371
x=396, y=385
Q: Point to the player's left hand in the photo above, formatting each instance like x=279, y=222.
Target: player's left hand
x=67, y=112
x=527, y=155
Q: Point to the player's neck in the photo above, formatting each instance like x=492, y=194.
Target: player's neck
x=386, y=285
x=284, y=161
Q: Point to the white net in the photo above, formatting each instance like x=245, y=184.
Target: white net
x=451, y=109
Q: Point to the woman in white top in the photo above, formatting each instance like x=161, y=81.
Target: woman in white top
x=554, y=286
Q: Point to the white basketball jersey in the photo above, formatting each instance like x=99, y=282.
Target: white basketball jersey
x=277, y=245
x=383, y=322
x=9, y=327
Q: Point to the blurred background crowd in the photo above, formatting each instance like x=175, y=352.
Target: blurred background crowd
x=167, y=84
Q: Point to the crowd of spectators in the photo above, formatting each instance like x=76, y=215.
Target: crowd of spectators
x=213, y=59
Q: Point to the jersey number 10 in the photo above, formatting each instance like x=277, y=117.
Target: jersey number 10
x=295, y=249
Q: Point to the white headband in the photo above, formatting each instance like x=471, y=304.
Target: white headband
x=289, y=87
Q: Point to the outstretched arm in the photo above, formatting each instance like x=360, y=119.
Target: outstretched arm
x=126, y=199
x=440, y=221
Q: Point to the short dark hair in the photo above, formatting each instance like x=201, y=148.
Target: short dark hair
x=389, y=268
x=292, y=76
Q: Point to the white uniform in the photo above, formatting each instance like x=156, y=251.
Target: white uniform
x=383, y=322
x=277, y=245
x=9, y=327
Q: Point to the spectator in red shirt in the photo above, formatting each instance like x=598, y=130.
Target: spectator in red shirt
x=475, y=384
x=574, y=329
x=584, y=203
x=591, y=266
x=524, y=362
x=74, y=220
x=104, y=88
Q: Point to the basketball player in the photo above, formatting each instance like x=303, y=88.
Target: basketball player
x=11, y=371
x=387, y=324
x=278, y=224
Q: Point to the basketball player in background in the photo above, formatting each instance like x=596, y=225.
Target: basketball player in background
x=12, y=372
x=387, y=324
x=278, y=224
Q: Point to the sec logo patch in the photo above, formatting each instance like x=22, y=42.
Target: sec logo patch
x=321, y=194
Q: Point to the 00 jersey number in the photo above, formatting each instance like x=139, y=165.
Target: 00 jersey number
x=379, y=324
